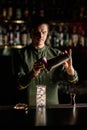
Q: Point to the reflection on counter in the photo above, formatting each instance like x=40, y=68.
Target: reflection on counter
x=64, y=115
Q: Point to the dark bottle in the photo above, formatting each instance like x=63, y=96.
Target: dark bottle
x=24, y=35
x=9, y=10
x=17, y=35
x=18, y=10
x=26, y=12
x=10, y=35
x=55, y=62
x=4, y=35
x=1, y=35
x=3, y=10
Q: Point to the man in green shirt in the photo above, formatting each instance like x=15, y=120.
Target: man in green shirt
x=33, y=72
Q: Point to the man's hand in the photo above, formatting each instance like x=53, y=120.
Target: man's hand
x=68, y=64
x=38, y=66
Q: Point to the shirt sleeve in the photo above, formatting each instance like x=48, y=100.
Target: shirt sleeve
x=24, y=80
x=74, y=78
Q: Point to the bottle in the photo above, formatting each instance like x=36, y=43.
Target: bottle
x=17, y=35
x=4, y=35
x=10, y=10
x=4, y=11
x=26, y=12
x=18, y=10
x=24, y=35
x=60, y=36
x=10, y=35
x=54, y=62
x=1, y=36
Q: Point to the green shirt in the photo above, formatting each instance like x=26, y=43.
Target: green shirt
x=28, y=56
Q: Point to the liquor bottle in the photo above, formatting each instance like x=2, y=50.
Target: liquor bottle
x=24, y=35
x=34, y=9
x=10, y=35
x=18, y=10
x=60, y=35
x=1, y=38
x=9, y=10
x=4, y=14
x=3, y=10
x=17, y=35
x=4, y=35
x=54, y=38
x=26, y=12
x=66, y=35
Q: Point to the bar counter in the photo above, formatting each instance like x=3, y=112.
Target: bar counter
x=56, y=115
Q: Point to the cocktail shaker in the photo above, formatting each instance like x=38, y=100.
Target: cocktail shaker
x=55, y=61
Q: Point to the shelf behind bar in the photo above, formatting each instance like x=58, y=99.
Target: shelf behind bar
x=12, y=46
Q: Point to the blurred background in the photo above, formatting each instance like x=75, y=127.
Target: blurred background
x=68, y=29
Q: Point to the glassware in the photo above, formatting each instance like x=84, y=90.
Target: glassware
x=40, y=105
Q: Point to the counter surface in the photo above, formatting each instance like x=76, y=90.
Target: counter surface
x=56, y=115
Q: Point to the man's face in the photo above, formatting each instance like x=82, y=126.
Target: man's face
x=39, y=35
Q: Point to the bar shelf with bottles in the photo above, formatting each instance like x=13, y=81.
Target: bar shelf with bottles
x=66, y=34
x=14, y=34
x=15, y=18
x=14, y=30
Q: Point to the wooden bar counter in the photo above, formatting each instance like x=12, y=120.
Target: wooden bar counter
x=56, y=115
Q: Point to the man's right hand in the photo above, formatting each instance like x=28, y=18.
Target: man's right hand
x=38, y=66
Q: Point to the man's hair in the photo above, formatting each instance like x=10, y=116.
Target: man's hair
x=36, y=21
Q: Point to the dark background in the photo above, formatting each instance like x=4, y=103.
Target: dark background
x=56, y=11
x=66, y=10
